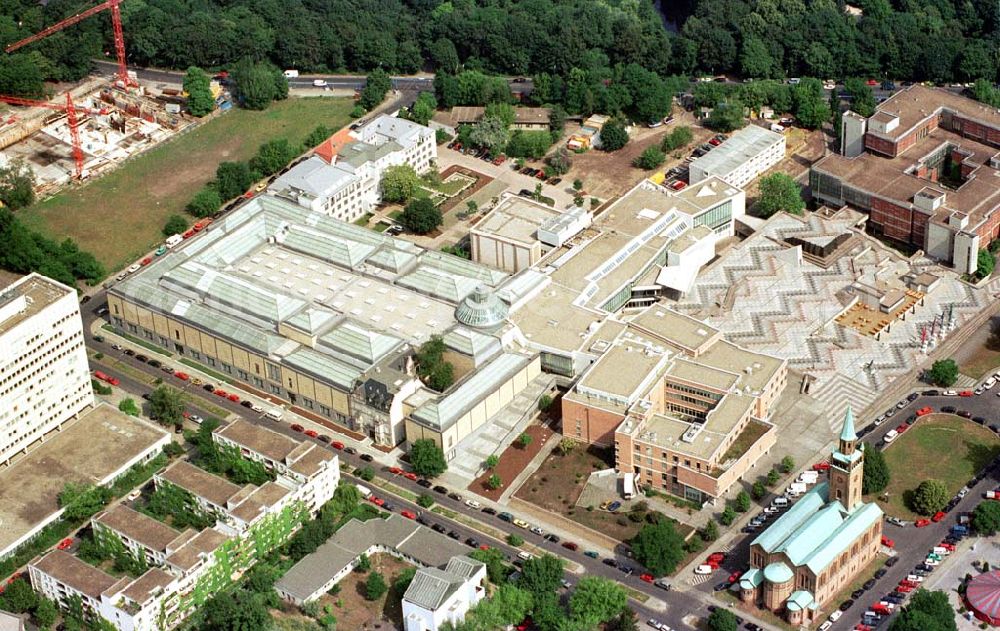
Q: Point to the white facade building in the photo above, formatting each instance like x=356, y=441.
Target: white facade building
x=44, y=377
x=742, y=157
x=437, y=596
x=342, y=178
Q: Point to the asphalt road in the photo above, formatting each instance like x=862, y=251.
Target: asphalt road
x=911, y=544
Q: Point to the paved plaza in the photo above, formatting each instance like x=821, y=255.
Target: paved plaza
x=948, y=579
x=767, y=297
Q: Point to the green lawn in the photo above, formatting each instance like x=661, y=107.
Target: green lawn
x=941, y=446
x=119, y=217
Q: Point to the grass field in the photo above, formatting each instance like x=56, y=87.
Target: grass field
x=917, y=455
x=119, y=216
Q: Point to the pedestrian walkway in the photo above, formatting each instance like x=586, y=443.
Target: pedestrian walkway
x=964, y=382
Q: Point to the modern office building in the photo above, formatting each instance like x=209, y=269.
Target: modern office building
x=924, y=167
x=813, y=551
x=686, y=411
x=343, y=177
x=186, y=568
x=743, y=156
x=44, y=376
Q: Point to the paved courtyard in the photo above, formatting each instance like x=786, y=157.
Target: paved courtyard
x=764, y=297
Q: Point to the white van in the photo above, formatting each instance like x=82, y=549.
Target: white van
x=291, y=74
x=365, y=491
x=173, y=240
x=796, y=488
x=780, y=502
x=524, y=556
x=809, y=477
x=274, y=414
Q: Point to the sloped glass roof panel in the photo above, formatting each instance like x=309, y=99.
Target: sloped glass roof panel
x=323, y=367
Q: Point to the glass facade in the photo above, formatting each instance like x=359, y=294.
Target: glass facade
x=716, y=217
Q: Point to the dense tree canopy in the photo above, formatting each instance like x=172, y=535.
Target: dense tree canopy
x=659, y=547
x=876, y=474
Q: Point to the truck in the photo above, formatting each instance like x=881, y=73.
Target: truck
x=365, y=491
x=809, y=477
x=291, y=74
x=628, y=486
x=796, y=488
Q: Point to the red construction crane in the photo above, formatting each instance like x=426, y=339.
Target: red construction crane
x=116, y=23
x=71, y=110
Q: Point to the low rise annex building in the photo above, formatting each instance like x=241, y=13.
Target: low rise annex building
x=186, y=568
x=743, y=156
x=438, y=596
x=342, y=177
x=813, y=551
x=925, y=168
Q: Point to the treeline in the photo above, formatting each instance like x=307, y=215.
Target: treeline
x=24, y=251
x=937, y=40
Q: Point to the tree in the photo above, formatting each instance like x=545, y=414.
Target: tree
x=496, y=566
x=943, y=372
x=810, y=104
x=596, y=600
x=423, y=108
x=403, y=580
x=273, y=155
x=377, y=85
x=490, y=133
x=649, y=159
x=431, y=365
x=129, y=407
x=710, y=532
x=778, y=192
x=205, y=203
x=317, y=136
x=613, y=135
x=166, y=406
x=21, y=74
x=421, y=216
x=375, y=586
x=524, y=440
x=528, y=144
x=197, y=84
x=365, y=473
x=494, y=482
x=726, y=116
x=772, y=477
x=427, y=458
x=492, y=461
x=862, y=96
x=541, y=575
x=722, y=620
x=425, y=501
x=565, y=446
x=364, y=563
x=876, y=474
x=578, y=185
x=659, y=547
x=560, y=161
x=929, y=497
x=985, y=263
x=45, y=613
x=399, y=183
x=235, y=611
x=232, y=179
x=742, y=502
x=787, y=464
x=255, y=84
x=81, y=501
x=627, y=620
x=757, y=491
x=678, y=138
x=927, y=611
x=175, y=225
x=986, y=518
x=17, y=184
x=728, y=516
x=18, y=597
x=514, y=540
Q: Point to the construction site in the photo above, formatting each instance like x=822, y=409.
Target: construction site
x=92, y=126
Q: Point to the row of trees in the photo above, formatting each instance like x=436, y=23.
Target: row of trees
x=25, y=251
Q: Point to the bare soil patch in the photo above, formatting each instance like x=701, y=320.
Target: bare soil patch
x=513, y=461
x=354, y=611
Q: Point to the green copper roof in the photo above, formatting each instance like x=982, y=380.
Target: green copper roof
x=751, y=578
x=799, y=600
x=801, y=544
x=797, y=515
x=848, y=432
x=840, y=539
x=778, y=573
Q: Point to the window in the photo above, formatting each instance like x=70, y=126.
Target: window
x=273, y=372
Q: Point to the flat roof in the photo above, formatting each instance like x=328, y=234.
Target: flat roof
x=139, y=527
x=38, y=293
x=667, y=431
x=262, y=440
x=742, y=146
x=678, y=329
x=887, y=177
x=697, y=373
x=71, y=571
x=516, y=219
x=199, y=482
x=755, y=369
x=917, y=102
x=622, y=371
x=88, y=450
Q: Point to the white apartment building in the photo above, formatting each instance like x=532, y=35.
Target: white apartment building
x=342, y=178
x=437, y=596
x=44, y=377
x=746, y=154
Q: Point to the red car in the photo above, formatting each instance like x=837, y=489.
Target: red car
x=679, y=185
x=871, y=82
x=220, y=393
x=408, y=514
x=183, y=376
x=924, y=411
x=541, y=175
x=904, y=589
x=902, y=427
x=648, y=578
x=377, y=501
x=965, y=393
x=908, y=583
x=107, y=378
x=395, y=471
x=879, y=608
x=821, y=466
x=484, y=547
x=235, y=398
x=311, y=433
x=337, y=444
x=525, y=624
x=569, y=545
x=297, y=428
x=146, y=261
x=735, y=576
x=920, y=523
x=938, y=516
x=65, y=543
x=718, y=557
x=715, y=142
x=410, y=476
x=950, y=547
x=887, y=542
